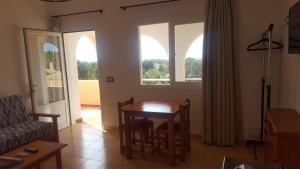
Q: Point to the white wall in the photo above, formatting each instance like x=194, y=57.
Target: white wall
x=117, y=39
x=251, y=19
x=16, y=14
x=290, y=74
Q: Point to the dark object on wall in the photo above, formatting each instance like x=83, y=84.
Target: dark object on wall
x=294, y=29
x=56, y=0
x=146, y=4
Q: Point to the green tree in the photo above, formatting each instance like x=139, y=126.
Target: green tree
x=193, y=68
x=147, y=65
x=156, y=69
x=87, y=70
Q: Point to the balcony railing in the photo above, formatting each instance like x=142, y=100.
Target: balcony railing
x=89, y=92
x=167, y=81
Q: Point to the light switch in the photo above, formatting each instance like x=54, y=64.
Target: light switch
x=110, y=79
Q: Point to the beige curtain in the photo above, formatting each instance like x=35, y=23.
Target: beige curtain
x=56, y=24
x=218, y=75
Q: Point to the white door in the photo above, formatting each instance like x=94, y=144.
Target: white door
x=47, y=74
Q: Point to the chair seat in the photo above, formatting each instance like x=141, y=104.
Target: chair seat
x=163, y=127
x=142, y=124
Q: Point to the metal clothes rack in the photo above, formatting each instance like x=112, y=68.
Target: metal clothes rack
x=266, y=79
x=146, y=4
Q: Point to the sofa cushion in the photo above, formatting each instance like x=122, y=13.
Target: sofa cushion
x=3, y=117
x=22, y=133
x=14, y=108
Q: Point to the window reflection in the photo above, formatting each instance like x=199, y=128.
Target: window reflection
x=53, y=70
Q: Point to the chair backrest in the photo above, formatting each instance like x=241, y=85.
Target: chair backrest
x=121, y=125
x=120, y=106
x=12, y=110
x=185, y=109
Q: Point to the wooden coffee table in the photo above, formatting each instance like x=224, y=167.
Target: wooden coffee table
x=46, y=149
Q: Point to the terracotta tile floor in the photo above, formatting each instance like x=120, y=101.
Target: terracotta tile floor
x=91, y=148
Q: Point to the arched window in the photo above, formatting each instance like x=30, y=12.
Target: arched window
x=86, y=50
x=152, y=49
x=154, y=54
x=188, y=49
x=86, y=56
x=196, y=48
x=193, y=60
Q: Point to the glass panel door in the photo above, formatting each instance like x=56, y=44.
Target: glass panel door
x=47, y=75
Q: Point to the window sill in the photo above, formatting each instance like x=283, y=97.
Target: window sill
x=196, y=85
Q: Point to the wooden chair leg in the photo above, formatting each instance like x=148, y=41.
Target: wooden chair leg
x=166, y=141
x=158, y=141
x=147, y=136
x=152, y=136
x=121, y=140
x=142, y=135
x=188, y=139
x=133, y=137
x=189, y=142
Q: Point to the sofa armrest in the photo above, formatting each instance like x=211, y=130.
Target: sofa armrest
x=44, y=115
x=54, y=120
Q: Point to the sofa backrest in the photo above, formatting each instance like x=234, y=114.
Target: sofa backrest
x=13, y=110
x=3, y=117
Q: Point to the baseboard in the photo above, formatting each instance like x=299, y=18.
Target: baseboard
x=87, y=105
x=196, y=136
x=110, y=128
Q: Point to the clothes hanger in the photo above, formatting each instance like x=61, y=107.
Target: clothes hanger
x=264, y=40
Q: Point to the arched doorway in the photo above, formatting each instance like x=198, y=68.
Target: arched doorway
x=82, y=65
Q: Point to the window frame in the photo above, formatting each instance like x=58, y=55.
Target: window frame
x=141, y=61
x=177, y=85
x=190, y=82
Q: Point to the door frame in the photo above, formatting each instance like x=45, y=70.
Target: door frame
x=98, y=61
x=29, y=73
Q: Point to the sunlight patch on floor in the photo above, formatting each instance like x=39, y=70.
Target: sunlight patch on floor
x=92, y=116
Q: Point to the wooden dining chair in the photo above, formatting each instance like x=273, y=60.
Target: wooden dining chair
x=141, y=126
x=162, y=129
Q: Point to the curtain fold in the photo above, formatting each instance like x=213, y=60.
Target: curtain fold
x=56, y=24
x=218, y=75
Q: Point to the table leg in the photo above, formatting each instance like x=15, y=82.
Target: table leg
x=58, y=160
x=171, y=141
x=127, y=136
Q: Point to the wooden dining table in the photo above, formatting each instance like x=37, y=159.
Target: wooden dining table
x=167, y=110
